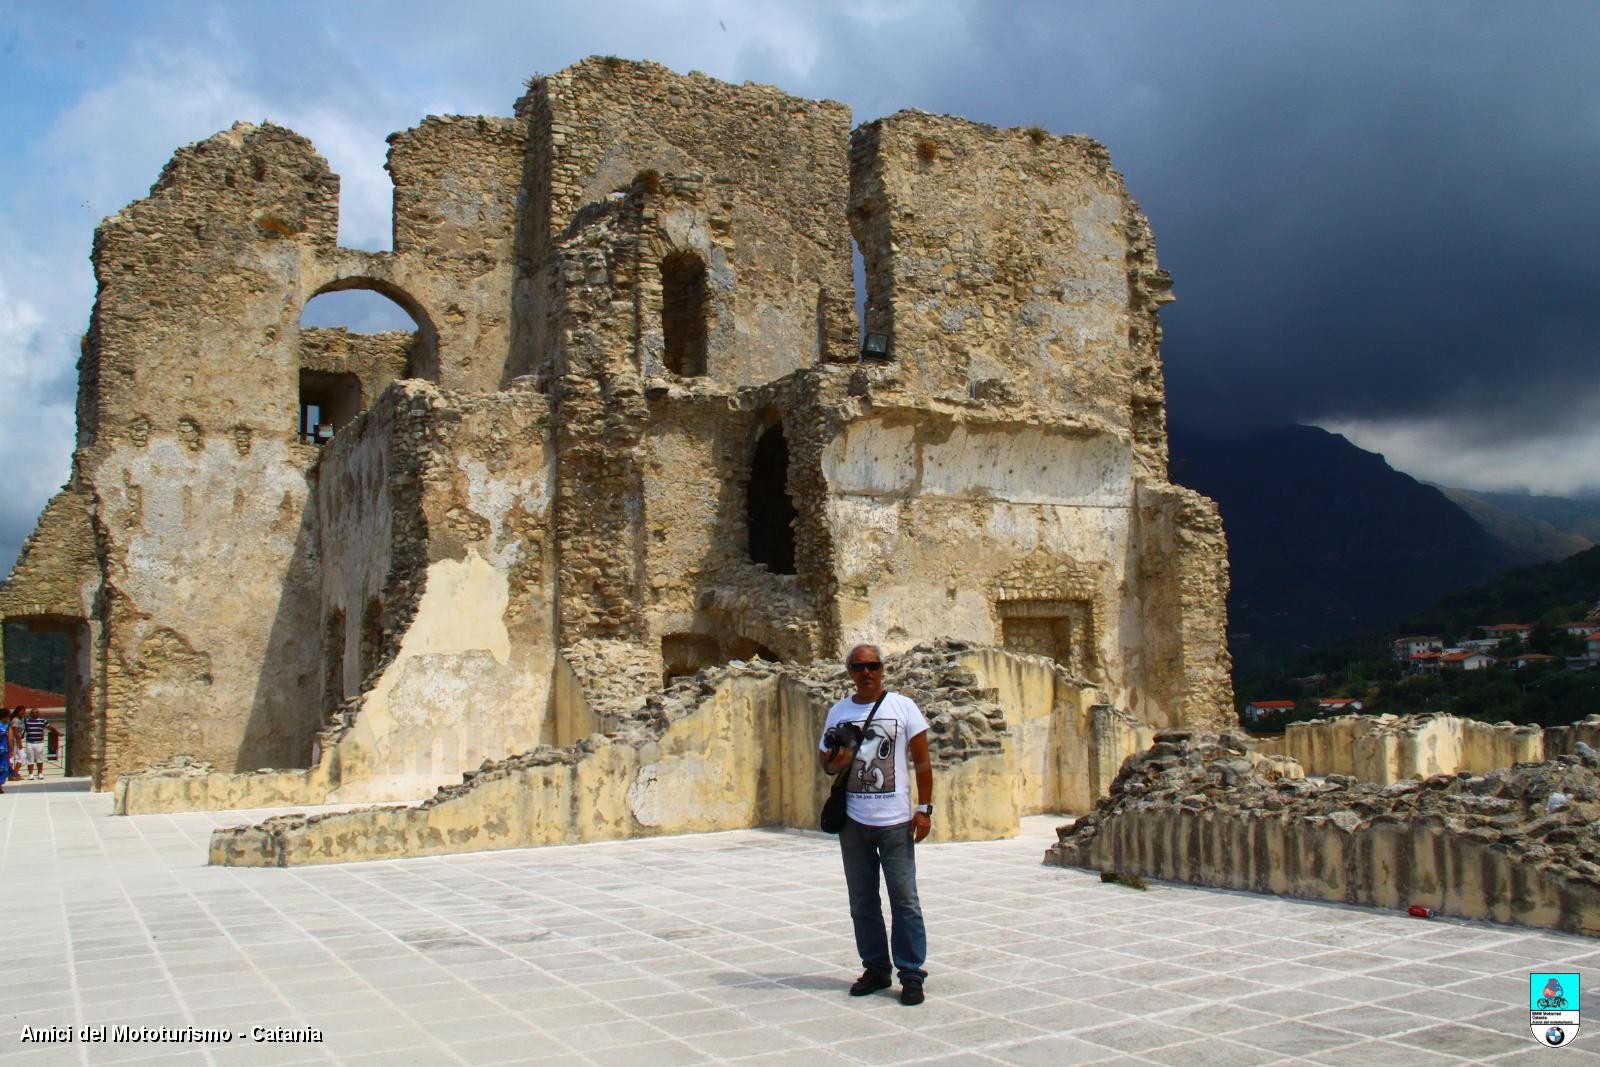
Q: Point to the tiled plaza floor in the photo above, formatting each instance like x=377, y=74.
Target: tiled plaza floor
x=731, y=947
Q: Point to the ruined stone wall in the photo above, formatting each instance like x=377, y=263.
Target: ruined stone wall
x=1019, y=494
x=1175, y=628
x=1515, y=845
x=441, y=525
x=1564, y=740
x=457, y=182
x=942, y=512
x=198, y=482
x=56, y=573
x=733, y=747
x=1385, y=749
x=772, y=233
x=436, y=608
x=1011, y=260
x=1000, y=481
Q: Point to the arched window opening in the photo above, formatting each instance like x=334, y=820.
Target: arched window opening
x=357, y=335
x=356, y=310
x=683, y=314
x=684, y=654
x=327, y=404
x=771, y=512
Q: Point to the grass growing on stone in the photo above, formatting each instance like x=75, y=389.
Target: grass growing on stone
x=1132, y=881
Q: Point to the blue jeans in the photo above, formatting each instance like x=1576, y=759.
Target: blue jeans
x=866, y=849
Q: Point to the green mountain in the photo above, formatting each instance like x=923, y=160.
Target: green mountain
x=1325, y=539
x=36, y=660
x=1533, y=529
x=1527, y=594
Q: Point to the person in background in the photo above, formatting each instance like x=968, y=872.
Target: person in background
x=5, y=748
x=33, y=742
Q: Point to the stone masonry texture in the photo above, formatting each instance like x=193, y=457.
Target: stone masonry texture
x=552, y=501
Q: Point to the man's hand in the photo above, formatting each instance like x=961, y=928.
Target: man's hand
x=920, y=825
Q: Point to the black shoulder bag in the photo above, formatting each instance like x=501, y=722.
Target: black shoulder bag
x=832, y=819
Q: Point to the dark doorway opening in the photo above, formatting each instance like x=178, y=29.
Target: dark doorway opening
x=327, y=404
x=771, y=510
x=683, y=314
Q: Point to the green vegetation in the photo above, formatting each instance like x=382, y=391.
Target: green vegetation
x=1132, y=881
x=1564, y=589
x=1546, y=596
x=38, y=661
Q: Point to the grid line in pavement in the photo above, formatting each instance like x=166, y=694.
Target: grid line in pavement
x=730, y=947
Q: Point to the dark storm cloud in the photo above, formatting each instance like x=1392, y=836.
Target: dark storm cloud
x=1371, y=210
x=1378, y=215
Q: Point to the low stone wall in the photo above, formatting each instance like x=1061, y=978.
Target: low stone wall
x=1385, y=749
x=1515, y=845
x=186, y=784
x=730, y=748
x=1564, y=740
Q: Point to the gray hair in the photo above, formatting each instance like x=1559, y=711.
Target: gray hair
x=848, y=656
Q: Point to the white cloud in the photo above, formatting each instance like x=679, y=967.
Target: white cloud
x=1454, y=450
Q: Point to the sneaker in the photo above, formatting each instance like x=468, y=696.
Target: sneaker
x=869, y=982
x=911, y=991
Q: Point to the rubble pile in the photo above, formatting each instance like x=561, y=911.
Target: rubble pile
x=1520, y=843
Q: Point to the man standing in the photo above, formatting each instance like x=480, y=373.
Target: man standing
x=33, y=739
x=881, y=828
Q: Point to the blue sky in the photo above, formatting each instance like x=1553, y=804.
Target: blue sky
x=1380, y=217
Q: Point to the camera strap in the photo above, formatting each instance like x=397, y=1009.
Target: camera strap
x=864, y=728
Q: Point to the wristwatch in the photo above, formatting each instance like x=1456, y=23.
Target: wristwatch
x=925, y=809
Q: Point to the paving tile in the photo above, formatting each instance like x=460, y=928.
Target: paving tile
x=1370, y=1020
x=1466, y=1041
x=1217, y=1018
x=1048, y=1051
x=733, y=948
x=1384, y=1054
x=1211, y=1052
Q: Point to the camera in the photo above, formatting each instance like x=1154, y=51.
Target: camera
x=842, y=735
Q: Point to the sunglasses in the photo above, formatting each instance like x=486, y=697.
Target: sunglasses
x=872, y=665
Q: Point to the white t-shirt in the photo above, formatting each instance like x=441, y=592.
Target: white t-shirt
x=878, y=789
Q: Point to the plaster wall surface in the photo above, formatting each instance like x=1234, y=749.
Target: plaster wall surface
x=1385, y=749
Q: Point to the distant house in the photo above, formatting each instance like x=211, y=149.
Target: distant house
x=1529, y=659
x=1593, y=655
x=1339, y=705
x=1480, y=644
x=1258, y=709
x=1464, y=659
x=1505, y=631
x=1584, y=628
x=1426, y=662
x=1407, y=648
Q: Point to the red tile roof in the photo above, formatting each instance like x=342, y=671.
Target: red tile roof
x=29, y=697
x=1272, y=703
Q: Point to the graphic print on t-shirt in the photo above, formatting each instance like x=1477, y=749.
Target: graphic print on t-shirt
x=873, y=769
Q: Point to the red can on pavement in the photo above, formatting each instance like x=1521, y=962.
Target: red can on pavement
x=1420, y=911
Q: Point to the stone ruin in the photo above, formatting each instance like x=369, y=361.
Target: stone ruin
x=588, y=531
x=1466, y=832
